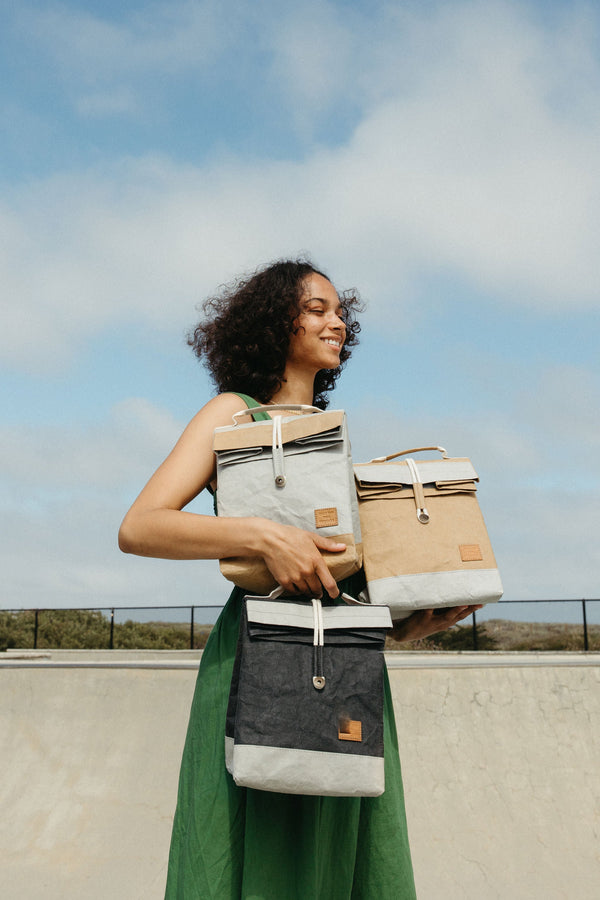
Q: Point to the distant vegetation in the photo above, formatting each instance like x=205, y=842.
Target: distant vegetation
x=77, y=629
x=502, y=634
x=90, y=630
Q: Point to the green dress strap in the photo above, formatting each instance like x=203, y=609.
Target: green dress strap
x=251, y=403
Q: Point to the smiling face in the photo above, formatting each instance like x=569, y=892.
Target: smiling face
x=320, y=330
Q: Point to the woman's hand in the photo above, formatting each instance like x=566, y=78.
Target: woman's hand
x=292, y=556
x=425, y=622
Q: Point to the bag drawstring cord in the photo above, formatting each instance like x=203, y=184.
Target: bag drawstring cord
x=278, y=458
x=318, y=643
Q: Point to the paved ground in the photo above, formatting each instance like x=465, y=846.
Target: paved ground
x=500, y=756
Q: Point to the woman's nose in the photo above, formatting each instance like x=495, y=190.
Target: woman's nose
x=336, y=320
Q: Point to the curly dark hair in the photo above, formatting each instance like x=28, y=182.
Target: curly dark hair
x=244, y=337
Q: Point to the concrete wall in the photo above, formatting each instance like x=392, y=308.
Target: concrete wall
x=501, y=764
x=500, y=756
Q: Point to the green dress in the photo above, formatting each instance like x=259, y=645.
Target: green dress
x=232, y=843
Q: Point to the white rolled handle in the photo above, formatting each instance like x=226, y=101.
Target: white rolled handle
x=270, y=407
x=442, y=450
x=277, y=592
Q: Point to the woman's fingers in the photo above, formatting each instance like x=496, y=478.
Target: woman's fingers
x=325, y=543
x=322, y=572
x=469, y=610
x=426, y=622
x=326, y=581
x=313, y=581
x=295, y=561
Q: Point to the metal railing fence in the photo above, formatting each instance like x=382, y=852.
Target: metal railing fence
x=193, y=623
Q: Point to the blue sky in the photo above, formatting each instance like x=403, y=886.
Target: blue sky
x=441, y=157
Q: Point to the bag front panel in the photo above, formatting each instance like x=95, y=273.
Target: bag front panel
x=314, y=481
x=396, y=543
x=277, y=705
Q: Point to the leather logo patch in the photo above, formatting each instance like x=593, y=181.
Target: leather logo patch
x=350, y=730
x=326, y=518
x=470, y=552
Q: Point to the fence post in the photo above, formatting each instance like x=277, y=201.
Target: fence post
x=192, y=628
x=112, y=629
x=586, y=645
x=475, y=642
x=35, y=629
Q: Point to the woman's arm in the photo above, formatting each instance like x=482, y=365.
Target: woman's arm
x=157, y=526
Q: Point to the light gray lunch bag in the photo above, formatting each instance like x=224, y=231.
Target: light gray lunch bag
x=296, y=470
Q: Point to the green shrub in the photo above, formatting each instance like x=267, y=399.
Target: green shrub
x=80, y=629
x=16, y=629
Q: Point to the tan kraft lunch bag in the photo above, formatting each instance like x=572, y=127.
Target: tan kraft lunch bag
x=425, y=544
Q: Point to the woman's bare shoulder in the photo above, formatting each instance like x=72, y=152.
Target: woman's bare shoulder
x=190, y=465
x=219, y=411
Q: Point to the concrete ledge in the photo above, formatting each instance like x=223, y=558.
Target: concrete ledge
x=190, y=659
x=469, y=659
x=101, y=659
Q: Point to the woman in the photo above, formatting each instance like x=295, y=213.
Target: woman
x=281, y=336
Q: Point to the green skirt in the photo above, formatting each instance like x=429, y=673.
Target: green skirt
x=230, y=843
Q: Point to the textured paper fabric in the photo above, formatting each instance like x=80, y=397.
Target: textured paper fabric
x=318, y=493
x=284, y=735
x=409, y=565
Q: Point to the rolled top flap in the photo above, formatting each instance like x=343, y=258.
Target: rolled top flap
x=403, y=491
x=300, y=615
x=431, y=471
x=293, y=428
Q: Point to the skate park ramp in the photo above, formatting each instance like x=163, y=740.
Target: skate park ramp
x=500, y=754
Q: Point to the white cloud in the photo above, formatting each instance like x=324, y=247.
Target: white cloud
x=316, y=55
x=69, y=557
x=107, y=457
x=471, y=167
x=165, y=37
x=544, y=541
x=65, y=493
x=107, y=65
x=97, y=104
x=545, y=435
